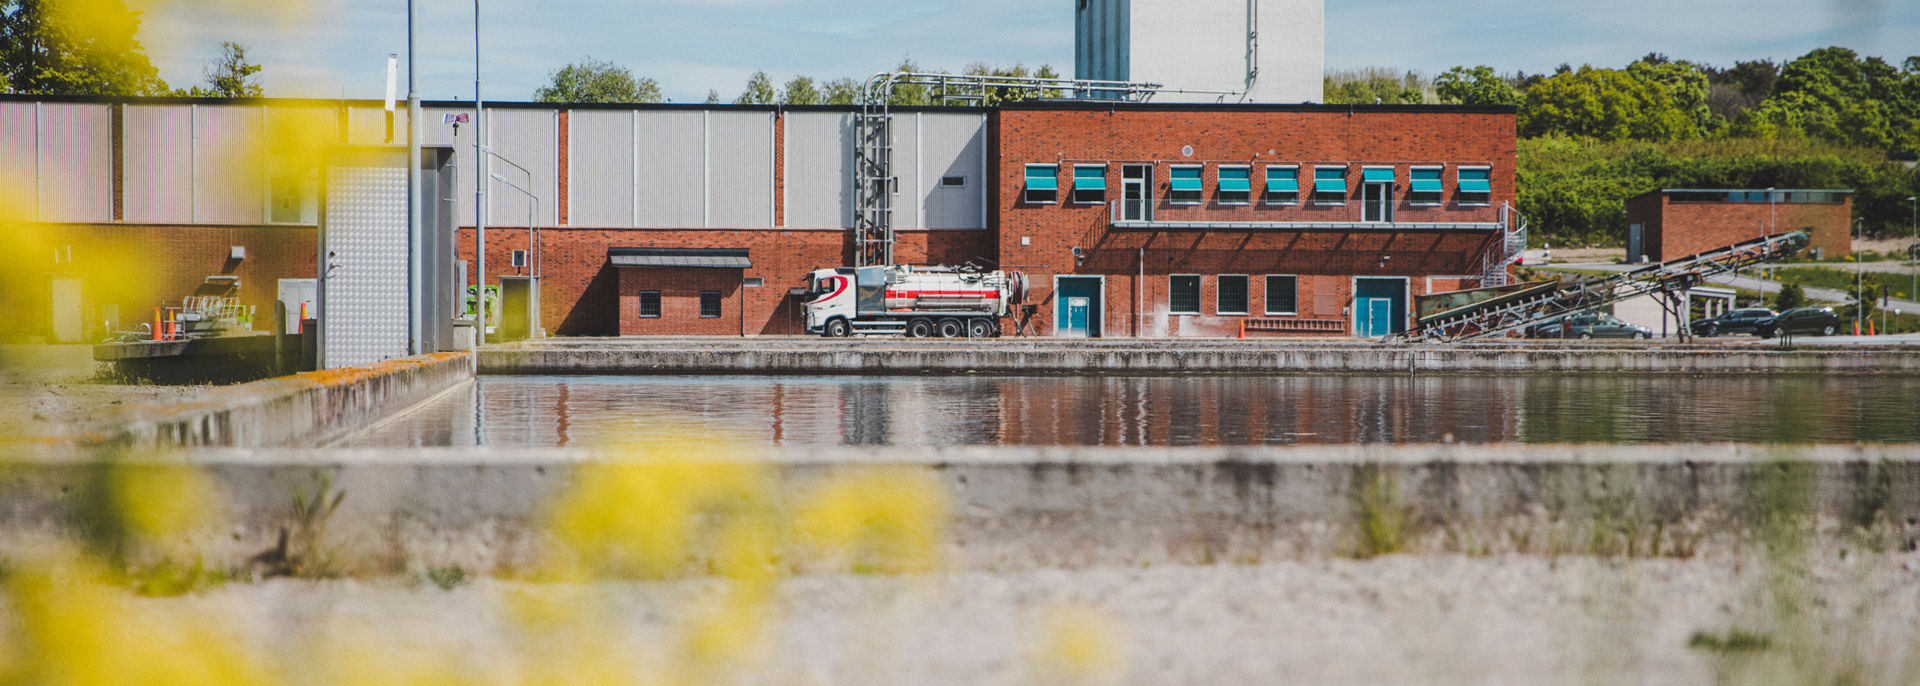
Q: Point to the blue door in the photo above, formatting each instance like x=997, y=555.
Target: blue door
x=1076, y=307
x=1379, y=306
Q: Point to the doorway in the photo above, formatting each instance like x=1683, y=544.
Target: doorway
x=68, y=323
x=1136, y=192
x=1376, y=198
x=1076, y=306
x=1379, y=306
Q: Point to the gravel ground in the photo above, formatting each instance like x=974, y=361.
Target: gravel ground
x=48, y=389
x=1400, y=619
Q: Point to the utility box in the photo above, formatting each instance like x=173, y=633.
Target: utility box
x=519, y=308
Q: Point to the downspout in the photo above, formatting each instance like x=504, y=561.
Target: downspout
x=1137, y=279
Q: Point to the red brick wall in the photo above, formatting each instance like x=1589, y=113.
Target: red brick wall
x=1326, y=260
x=581, y=295
x=680, y=301
x=1679, y=229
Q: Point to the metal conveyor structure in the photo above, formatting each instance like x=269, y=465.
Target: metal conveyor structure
x=1497, y=311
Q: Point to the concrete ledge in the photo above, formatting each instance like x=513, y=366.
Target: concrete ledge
x=305, y=409
x=1024, y=507
x=1030, y=356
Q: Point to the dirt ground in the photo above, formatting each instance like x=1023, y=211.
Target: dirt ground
x=49, y=389
x=1402, y=619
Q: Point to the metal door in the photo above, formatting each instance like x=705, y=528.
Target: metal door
x=1136, y=192
x=1379, y=306
x=1076, y=317
x=1077, y=307
x=1634, y=236
x=68, y=324
x=363, y=261
x=1379, y=317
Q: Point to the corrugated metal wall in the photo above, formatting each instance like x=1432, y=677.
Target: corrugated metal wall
x=602, y=154
x=19, y=161
x=76, y=162
x=819, y=162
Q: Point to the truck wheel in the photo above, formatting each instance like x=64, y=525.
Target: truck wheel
x=979, y=328
x=951, y=328
x=838, y=328
x=919, y=328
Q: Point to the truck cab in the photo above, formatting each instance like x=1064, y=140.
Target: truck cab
x=830, y=295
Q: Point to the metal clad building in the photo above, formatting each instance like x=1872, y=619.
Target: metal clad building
x=1270, y=51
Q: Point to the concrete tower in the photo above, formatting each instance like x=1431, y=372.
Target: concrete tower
x=1261, y=50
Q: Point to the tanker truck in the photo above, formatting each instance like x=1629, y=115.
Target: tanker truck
x=918, y=301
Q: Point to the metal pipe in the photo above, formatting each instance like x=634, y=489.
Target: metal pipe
x=480, y=172
x=415, y=227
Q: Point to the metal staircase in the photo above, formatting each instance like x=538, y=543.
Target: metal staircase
x=1506, y=249
x=1506, y=308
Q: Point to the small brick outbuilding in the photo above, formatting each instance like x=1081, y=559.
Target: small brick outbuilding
x=1673, y=223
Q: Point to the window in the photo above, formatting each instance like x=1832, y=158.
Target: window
x=1043, y=183
x=1425, y=188
x=1183, y=294
x=1184, y=189
x=1236, y=187
x=953, y=182
x=1283, y=185
x=1230, y=294
x=1330, y=185
x=649, y=304
x=1476, y=186
x=1283, y=294
x=709, y=303
x=1376, y=194
x=1089, y=183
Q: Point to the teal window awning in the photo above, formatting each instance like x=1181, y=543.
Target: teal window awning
x=1235, y=179
x=1426, y=180
x=1330, y=180
x=1377, y=174
x=1090, y=178
x=1042, y=177
x=1475, y=181
x=1186, y=179
x=1283, y=180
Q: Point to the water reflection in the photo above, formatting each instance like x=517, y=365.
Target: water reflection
x=1106, y=410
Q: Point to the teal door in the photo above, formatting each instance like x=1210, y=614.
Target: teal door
x=1379, y=307
x=1076, y=307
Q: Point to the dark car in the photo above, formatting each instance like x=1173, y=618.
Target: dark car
x=1737, y=321
x=1813, y=320
x=1590, y=325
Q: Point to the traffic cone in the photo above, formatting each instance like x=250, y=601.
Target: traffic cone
x=1243, y=328
x=1870, y=329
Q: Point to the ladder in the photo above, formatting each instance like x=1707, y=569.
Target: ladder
x=1510, y=308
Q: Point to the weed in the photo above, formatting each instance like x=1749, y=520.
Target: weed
x=446, y=577
x=1383, y=520
x=167, y=578
x=303, y=550
x=1736, y=641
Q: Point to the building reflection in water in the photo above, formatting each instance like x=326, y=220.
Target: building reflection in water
x=1160, y=411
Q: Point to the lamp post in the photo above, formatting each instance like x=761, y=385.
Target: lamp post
x=480, y=173
x=1857, y=298
x=416, y=228
x=1913, y=252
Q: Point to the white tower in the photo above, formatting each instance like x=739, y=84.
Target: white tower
x=1262, y=51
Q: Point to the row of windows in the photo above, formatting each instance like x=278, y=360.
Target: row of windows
x=1234, y=184
x=1810, y=197
x=1230, y=294
x=650, y=304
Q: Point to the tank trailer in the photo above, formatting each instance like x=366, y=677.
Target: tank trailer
x=918, y=301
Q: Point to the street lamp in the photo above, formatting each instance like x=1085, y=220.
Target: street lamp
x=1913, y=268
x=1769, y=211
x=1857, y=304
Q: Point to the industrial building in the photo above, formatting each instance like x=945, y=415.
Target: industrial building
x=1676, y=222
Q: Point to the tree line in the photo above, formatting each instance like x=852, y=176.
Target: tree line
x=66, y=48
x=592, y=80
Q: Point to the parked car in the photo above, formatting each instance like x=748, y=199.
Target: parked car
x=1813, y=320
x=1737, y=321
x=1589, y=325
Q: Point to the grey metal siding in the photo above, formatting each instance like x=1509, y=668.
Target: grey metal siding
x=819, y=192
x=230, y=174
x=157, y=185
x=671, y=170
x=76, y=173
x=19, y=161
x=600, y=180
x=438, y=132
x=951, y=145
x=295, y=139
x=368, y=125
x=527, y=138
x=740, y=169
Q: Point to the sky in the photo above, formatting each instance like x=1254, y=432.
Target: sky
x=338, y=48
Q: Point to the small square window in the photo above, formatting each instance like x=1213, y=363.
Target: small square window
x=1425, y=186
x=1230, y=296
x=1089, y=183
x=709, y=303
x=1283, y=294
x=1476, y=186
x=1330, y=185
x=1043, y=183
x=1283, y=185
x=1183, y=294
x=1184, y=187
x=649, y=304
x=1236, y=185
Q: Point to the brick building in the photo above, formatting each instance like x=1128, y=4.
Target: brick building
x=1673, y=223
x=1165, y=220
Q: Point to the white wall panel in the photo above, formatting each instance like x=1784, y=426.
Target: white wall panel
x=819, y=162
x=952, y=145
x=672, y=168
x=19, y=161
x=76, y=173
x=158, y=163
x=600, y=181
x=527, y=138
x=441, y=133
x=229, y=147
x=740, y=169
x=296, y=137
x=368, y=125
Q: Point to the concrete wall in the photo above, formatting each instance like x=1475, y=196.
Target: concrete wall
x=1013, y=508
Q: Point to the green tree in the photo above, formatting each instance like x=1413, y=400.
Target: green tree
x=1475, y=86
x=1739, y=89
x=1375, y=85
x=842, y=91
x=232, y=76
x=592, y=80
x=66, y=48
x=1686, y=86
x=1791, y=295
x=800, y=91
x=713, y=97
x=1606, y=104
x=759, y=91
x=1834, y=94
x=910, y=94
